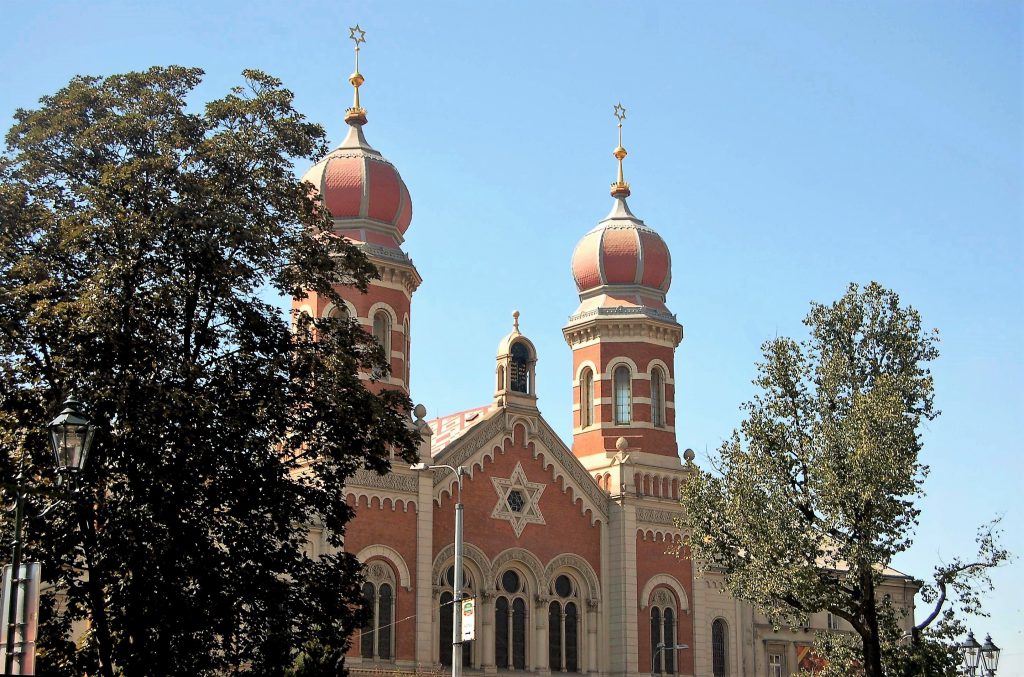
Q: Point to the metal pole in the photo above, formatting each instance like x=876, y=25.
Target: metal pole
x=457, y=584
x=12, y=609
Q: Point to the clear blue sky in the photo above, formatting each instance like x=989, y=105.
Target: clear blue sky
x=781, y=149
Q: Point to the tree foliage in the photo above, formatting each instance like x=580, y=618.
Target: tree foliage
x=816, y=492
x=139, y=243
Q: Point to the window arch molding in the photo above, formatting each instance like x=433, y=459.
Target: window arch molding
x=665, y=581
x=473, y=559
x=391, y=558
x=579, y=568
x=609, y=370
x=345, y=306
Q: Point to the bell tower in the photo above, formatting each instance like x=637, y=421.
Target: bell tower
x=623, y=336
x=370, y=206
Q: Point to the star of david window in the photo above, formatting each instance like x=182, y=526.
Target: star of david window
x=518, y=500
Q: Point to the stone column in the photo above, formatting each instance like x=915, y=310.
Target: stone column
x=540, y=643
x=592, y=621
x=487, y=633
x=424, y=564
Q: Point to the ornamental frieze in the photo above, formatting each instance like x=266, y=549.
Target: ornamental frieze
x=407, y=484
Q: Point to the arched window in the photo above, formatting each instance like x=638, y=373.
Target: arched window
x=718, y=649
x=510, y=622
x=376, y=637
x=669, y=637
x=663, y=631
x=563, y=627
x=623, y=395
x=586, y=398
x=445, y=618
x=520, y=368
x=339, y=311
x=408, y=353
x=382, y=331
x=656, y=640
x=657, y=398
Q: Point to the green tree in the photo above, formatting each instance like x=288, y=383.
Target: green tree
x=139, y=241
x=816, y=492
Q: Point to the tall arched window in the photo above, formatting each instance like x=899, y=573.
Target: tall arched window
x=657, y=398
x=563, y=627
x=718, y=649
x=623, y=395
x=520, y=368
x=408, y=353
x=382, y=331
x=655, y=640
x=340, y=312
x=663, y=631
x=376, y=637
x=445, y=618
x=510, y=622
x=586, y=398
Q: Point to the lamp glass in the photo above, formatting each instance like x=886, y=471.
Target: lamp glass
x=971, y=651
x=70, y=437
x=990, y=654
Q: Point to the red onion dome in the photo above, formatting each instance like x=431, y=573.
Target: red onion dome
x=356, y=182
x=622, y=251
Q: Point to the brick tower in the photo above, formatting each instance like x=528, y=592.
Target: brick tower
x=370, y=205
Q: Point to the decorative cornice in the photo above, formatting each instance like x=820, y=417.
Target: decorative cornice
x=653, y=516
x=610, y=323
x=407, y=484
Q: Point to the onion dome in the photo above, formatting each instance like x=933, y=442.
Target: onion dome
x=622, y=250
x=622, y=253
x=356, y=182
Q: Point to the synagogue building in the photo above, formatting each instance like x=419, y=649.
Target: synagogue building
x=572, y=553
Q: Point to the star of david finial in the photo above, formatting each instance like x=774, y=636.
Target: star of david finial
x=620, y=188
x=356, y=114
x=357, y=35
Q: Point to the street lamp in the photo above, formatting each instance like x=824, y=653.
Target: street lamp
x=661, y=646
x=457, y=583
x=979, y=660
x=70, y=439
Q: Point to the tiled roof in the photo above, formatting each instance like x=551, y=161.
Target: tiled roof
x=449, y=428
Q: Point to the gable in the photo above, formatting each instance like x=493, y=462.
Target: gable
x=478, y=444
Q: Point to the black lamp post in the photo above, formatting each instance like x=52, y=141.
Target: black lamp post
x=979, y=660
x=70, y=438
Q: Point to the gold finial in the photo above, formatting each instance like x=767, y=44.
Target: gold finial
x=356, y=114
x=515, y=320
x=620, y=188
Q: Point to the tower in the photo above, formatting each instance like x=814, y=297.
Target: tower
x=370, y=206
x=622, y=335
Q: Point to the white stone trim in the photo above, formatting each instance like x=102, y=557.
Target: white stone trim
x=392, y=556
x=669, y=582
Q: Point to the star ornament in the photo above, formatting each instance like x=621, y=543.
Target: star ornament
x=357, y=35
x=518, y=500
x=620, y=112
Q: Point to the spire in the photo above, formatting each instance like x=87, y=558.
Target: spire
x=356, y=115
x=620, y=188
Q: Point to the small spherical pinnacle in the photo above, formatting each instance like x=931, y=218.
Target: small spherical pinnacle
x=688, y=455
x=419, y=411
x=620, y=153
x=356, y=79
x=621, y=444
